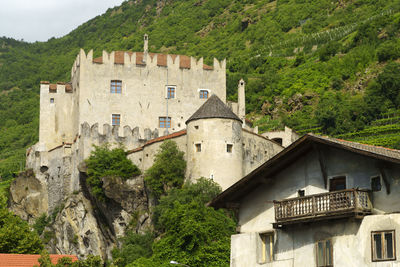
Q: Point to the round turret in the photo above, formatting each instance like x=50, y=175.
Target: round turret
x=214, y=140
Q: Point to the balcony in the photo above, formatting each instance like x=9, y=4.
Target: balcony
x=338, y=204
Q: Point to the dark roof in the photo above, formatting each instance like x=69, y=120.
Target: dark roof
x=213, y=108
x=263, y=174
x=158, y=139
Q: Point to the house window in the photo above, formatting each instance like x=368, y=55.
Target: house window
x=229, y=148
x=376, y=183
x=383, y=246
x=116, y=119
x=164, y=122
x=171, y=92
x=116, y=87
x=267, y=247
x=51, y=100
x=198, y=147
x=301, y=193
x=203, y=94
x=337, y=183
x=324, y=253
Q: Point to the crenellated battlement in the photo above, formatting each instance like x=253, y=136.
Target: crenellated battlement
x=110, y=134
x=141, y=60
x=59, y=87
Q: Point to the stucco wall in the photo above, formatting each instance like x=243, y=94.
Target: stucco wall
x=213, y=161
x=295, y=246
x=256, y=213
x=143, y=98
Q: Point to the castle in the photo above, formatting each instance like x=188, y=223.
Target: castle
x=139, y=100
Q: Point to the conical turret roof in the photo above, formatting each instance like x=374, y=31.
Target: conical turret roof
x=213, y=108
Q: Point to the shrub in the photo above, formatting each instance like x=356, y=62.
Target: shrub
x=104, y=162
x=388, y=50
x=168, y=170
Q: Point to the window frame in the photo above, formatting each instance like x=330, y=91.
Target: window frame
x=52, y=100
x=197, y=147
x=263, y=247
x=167, y=92
x=164, y=122
x=383, y=251
x=324, y=264
x=201, y=93
x=380, y=183
x=229, y=148
x=116, y=87
x=115, y=117
x=337, y=177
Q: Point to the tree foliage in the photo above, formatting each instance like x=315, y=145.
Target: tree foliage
x=15, y=234
x=168, y=170
x=104, y=162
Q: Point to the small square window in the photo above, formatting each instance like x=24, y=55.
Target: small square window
x=229, y=148
x=171, y=92
x=116, y=119
x=267, y=248
x=116, y=87
x=301, y=193
x=164, y=122
x=324, y=253
x=51, y=100
x=383, y=246
x=376, y=183
x=198, y=147
x=203, y=94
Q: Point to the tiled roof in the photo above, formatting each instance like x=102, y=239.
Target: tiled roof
x=158, y=139
x=379, y=150
x=119, y=58
x=27, y=260
x=213, y=108
x=296, y=150
x=53, y=88
x=68, y=88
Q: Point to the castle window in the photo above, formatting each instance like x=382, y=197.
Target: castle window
x=229, y=148
x=171, y=91
x=51, y=100
x=198, y=147
x=324, y=253
x=383, y=246
x=203, y=94
x=266, y=253
x=116, y=86
x=164, y=122
x=116, y=119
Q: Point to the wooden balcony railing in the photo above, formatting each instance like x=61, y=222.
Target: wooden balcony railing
x=351, y=202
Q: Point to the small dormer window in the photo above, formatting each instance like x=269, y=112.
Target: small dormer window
x=116, y=87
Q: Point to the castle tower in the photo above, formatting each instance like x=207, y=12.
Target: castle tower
x=214, y=144
x=241, y=100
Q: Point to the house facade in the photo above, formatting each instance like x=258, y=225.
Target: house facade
x=319, y=202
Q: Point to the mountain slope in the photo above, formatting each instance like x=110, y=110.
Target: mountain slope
x=306, y=63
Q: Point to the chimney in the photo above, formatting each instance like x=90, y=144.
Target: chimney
x=241, y=101
x=145, y=48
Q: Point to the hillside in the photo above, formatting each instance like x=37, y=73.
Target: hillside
x=318, y=65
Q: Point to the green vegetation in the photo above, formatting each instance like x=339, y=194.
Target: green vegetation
x=168, y=170
x=104, y=162
x=189, y=232
x=15, y=234
x=91, y=261
x=341, y=43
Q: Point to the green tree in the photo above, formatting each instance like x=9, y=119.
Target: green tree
x=15, y=234
x=104, y=162
x=168, y=170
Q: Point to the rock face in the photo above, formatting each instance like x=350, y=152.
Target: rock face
x=81, y=224
x=28, y=196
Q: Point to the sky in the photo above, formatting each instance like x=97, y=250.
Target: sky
x=40, y=20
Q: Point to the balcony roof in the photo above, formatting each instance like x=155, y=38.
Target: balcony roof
x=231, y=196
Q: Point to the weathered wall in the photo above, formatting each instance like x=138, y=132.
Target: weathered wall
x=295, y=247
x=143, y=97
x=256, y=213
x=288, y=136
x=256, y=150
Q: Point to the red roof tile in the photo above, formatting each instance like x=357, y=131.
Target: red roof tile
x=53, y=88
x=158, y=139
x=26, y=260
x=44, y=82
x=68, y=88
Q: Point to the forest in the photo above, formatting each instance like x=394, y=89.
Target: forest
x=328, y=67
